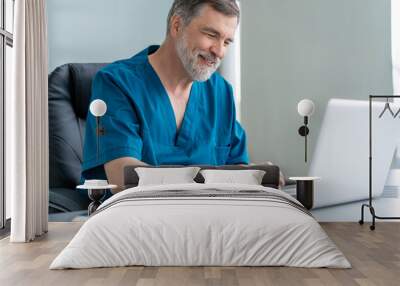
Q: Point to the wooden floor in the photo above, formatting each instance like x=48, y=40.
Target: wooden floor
x=375, y=257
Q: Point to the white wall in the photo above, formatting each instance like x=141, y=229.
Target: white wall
x=395, y=19
x=103, y=30
x=317, y=49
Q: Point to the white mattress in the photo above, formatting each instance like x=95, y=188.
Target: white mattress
x=202, y=231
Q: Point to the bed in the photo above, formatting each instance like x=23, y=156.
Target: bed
x=201, y=224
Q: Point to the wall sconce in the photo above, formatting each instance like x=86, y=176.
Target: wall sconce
x=305, y=108
x=98, y=108
x=97, y=188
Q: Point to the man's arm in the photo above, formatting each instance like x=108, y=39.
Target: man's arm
x=115, y=171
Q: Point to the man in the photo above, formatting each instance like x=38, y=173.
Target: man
x=167, y=105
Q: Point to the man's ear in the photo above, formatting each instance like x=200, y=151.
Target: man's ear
x=176, y=25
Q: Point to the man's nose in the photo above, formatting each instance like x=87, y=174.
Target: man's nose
x=218, y=49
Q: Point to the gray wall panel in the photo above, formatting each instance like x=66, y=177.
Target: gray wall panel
x=317, y=49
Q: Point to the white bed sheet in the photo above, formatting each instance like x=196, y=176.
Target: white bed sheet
x=200, y=232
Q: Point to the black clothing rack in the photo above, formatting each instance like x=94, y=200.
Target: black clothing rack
x=369, y=205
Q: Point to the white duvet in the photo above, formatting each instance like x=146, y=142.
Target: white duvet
x=183, y=231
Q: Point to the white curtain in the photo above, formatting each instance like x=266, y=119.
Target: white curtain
x=26, y=124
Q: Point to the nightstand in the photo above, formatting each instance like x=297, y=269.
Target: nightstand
x=305, y=190
x=96, y=191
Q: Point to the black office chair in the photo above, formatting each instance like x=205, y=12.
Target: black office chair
x=69, y=98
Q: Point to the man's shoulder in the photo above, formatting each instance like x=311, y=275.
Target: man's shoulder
x=124, y=67
x=127, y=68
x=220, y=87
x=217, y=80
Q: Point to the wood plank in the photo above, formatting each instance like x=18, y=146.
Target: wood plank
x=375, y=257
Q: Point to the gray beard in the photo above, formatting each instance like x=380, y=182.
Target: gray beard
x=190, y=62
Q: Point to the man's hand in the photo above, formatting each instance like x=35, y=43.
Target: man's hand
x=115, y=171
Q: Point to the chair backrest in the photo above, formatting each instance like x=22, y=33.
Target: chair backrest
x=69, y=98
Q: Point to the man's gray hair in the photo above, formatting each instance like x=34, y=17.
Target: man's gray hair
x=189, y=9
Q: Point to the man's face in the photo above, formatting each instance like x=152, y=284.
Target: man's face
x=202, y=44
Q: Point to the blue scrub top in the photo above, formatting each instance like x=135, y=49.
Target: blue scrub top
x=140, y=120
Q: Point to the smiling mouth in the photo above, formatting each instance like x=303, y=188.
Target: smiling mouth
x=207, y=62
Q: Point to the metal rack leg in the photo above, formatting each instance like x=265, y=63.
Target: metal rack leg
x=361, y=221
x=374, y=216
x=372, y=210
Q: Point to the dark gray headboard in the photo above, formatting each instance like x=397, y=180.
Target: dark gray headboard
x=270, y=179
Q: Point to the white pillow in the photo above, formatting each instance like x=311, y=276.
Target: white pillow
x=249, y=177
x=165, y=176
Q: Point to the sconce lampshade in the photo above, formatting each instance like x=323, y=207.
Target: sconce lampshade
x=98, y=107
x=305, y=107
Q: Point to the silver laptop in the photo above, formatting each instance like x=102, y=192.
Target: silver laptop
x=341, y=153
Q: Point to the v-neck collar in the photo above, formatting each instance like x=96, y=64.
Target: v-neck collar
x=186, y=131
